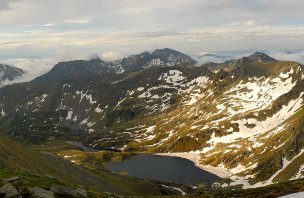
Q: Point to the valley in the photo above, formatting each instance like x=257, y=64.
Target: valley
x=236, y=127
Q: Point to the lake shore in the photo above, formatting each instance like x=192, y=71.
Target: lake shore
x=194, y=157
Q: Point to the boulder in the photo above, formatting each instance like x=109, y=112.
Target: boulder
x=81, y=192
x=41, y=193
x=9, y=191
x=68, y=192
x=13, y=180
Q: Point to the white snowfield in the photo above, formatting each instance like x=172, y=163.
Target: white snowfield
x=260, y=127
x=173, y=77
x=256, y=94
x=85, y=95
x=69, y=116
x=294, y=195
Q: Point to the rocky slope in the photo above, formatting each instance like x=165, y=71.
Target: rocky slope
x=244, y=117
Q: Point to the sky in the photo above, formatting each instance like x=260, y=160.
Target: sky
x=41, y=32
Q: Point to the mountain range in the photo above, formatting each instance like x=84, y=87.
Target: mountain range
x=243, y=117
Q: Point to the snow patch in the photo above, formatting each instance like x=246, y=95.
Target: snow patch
x=69, y=116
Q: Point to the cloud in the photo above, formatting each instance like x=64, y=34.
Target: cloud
x=7, y=4
x=297, y=56
x=128, y=26
x=32, y=68
x=111, y=56
x=194, y=39
x=70, y=22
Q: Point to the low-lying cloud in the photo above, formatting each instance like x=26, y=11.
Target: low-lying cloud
x=32, y=68
x=110, y=56
x=297, y=56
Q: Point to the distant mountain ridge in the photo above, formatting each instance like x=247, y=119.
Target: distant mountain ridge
x=159, y=57
x=233, y=64
x=9, y=73
x=76, y=69
x=94, y=67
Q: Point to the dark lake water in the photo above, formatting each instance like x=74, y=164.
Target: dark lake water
x=154, y=167
x=163, y=168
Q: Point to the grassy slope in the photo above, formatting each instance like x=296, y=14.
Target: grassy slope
x=20, y=160
x=274, y=190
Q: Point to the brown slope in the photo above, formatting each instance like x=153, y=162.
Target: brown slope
x=14, y=157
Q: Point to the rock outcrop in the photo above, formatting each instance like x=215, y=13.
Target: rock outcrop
x=8, y=190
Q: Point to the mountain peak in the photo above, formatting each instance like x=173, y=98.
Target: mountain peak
x=167, y=51
x=172, y=55
x=260, y=57
x=76, y=69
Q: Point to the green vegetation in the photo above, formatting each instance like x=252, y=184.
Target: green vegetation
x=94, y=160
